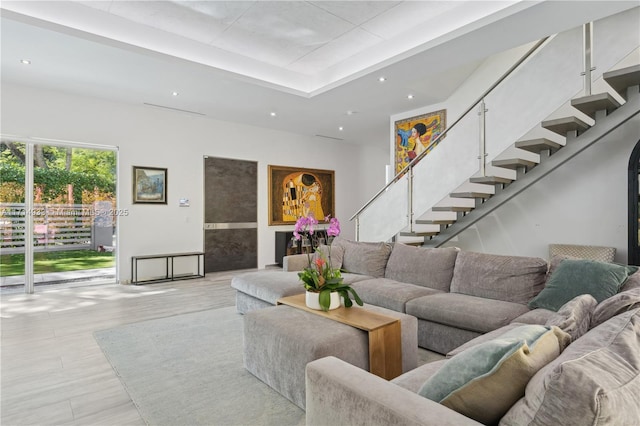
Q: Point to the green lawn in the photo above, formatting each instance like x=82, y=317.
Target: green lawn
x=56, y=261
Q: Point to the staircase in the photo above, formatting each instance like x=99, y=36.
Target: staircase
x=534, y=159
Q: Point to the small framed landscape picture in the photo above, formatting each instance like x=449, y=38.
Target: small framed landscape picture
x=149, y=185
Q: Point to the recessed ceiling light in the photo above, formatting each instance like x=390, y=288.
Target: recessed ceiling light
x=382, y=79
x=273, y=114
x=25, y=61
x=350, y=112
x=341, y=128
x=175, y=93
x=409, y=96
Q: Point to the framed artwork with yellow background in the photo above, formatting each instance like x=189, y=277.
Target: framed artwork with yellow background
x=295, y=192
x=413, y=136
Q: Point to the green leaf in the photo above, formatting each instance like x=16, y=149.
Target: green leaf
x=347, y=301
x=325, y=299
x=355, y=296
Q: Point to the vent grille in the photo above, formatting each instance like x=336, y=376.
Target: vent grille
x=329, y=137
x=173, y=109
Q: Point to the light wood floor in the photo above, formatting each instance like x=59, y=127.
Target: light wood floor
x=52, y=370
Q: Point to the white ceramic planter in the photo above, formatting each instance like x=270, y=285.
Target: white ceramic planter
x=313, y=302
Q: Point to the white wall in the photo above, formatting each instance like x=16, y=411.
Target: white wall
x=469, y=91
x=148, y=136
x=583, y=202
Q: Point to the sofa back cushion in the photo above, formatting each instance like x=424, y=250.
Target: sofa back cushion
x=332, y=254
x=510, y=278
x=364, y=258
x=427, y=267
x=595, y=381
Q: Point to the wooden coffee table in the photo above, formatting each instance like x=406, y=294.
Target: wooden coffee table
x=385, y=344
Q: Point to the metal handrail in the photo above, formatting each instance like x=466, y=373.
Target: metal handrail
x=434, y=142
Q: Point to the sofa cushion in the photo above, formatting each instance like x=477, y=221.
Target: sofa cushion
x=349, y=278
x=428, y=267
x=332, y=253
x=595, y=381
x=574, y=317
x=535, y=316
x=364, y=258
x=632, y=282
x=414, y=379
x=484, y=381
x=510, y=278
x=390, y=294
x=483, y=338
x=615, y=305
x=465, y=312
x=555, y=261
x=269, y=285
x=573, y=277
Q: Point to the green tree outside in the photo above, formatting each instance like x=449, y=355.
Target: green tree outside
x=91, y=175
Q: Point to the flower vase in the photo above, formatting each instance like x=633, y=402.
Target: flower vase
x=313, y=300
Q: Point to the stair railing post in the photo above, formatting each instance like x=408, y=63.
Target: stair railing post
x=587, y=39
x=483, y=144
x=410, y=207
x=358, y=228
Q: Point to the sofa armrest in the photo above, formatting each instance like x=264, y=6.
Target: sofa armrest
x=338, y=393
x=295, y=262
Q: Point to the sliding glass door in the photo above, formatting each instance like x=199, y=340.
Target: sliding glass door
x=13, y=217
x=59, y=213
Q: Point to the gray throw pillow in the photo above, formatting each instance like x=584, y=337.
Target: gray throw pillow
x=632, y=282
x=574, y=277
x=574, y=317
x=621, y=302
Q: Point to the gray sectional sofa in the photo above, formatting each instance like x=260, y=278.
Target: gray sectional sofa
x=465, y=301
x=594, y=381
x=455, y=295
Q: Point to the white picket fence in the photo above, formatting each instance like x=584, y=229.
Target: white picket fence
x=55, y=226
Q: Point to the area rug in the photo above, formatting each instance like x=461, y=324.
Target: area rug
x=187, y=370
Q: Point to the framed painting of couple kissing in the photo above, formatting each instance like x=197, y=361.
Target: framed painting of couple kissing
x=295, y=192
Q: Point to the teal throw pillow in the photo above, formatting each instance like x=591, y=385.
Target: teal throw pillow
x=484, y=381
x=574, y=277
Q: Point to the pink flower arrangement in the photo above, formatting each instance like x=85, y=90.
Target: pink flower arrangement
x=320, y=276
x=304, y=226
